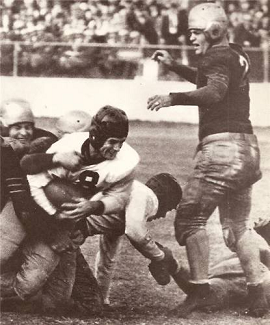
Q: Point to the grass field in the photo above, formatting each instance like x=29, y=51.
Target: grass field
x=163, y=147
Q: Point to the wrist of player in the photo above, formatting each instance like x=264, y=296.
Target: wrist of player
x=173, y=64
x=167, y=101
x=98, y=207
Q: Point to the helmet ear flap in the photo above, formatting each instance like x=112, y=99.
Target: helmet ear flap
x=214, y=31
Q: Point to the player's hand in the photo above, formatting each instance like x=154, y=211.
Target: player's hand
x=69, y=160
x=63, y=215
x=79, y=208
x=162, y=56
x=156, y=102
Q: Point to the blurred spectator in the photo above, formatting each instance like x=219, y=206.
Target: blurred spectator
x=247, y=32
x=154, y=11
x=174, y=26
x=158, y=21
x=264, y=31
x=101, y=26
x=145, y=26
x=38, y=59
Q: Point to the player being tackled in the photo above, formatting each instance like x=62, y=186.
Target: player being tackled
x=112, y=201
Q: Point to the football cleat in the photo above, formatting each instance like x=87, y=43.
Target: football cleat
x=201, y=297
x=258, y=305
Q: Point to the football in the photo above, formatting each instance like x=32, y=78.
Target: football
x=61, y=191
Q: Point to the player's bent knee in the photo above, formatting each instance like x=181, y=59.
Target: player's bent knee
x=233, y=233
x=183, y=232
x=187, y=222
x=135, y=233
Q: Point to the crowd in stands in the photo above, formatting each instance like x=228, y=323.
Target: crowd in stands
x=113, y=22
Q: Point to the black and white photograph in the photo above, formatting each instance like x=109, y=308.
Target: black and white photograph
x=135, y=162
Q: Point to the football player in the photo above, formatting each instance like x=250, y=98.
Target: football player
x=106, y=167
x=73, y=121
x=103, y=155
x=25, y=229
x=105, y=160
x=18, y=127
x=227, y=160
x=160, y=194
x=21, y=135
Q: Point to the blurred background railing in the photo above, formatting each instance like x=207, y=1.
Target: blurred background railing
x=96, y=60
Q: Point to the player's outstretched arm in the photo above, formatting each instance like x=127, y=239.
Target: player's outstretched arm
x=188, y=73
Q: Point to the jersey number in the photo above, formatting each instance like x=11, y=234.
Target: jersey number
x=88, y=180
x=244, y=63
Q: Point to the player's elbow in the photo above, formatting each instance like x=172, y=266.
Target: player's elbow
x=216, y=93
x=135, y=233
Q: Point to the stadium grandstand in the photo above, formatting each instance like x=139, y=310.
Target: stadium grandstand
x=111, y=38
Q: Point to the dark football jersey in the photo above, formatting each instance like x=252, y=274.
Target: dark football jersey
x=222, y=93
x=228, y=67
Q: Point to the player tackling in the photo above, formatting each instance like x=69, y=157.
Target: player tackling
x=227, y=157
x=106, y=180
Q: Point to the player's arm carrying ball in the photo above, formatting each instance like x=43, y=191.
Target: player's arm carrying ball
x=81, y=208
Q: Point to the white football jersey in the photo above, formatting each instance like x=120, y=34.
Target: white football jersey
x=102, y=175
x=143, y=203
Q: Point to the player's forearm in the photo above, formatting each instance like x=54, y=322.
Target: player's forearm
x=36, y=163
x=184, y=71
x=208, y=95
x=147, y=247
x=41, y=144
x=41, y=199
